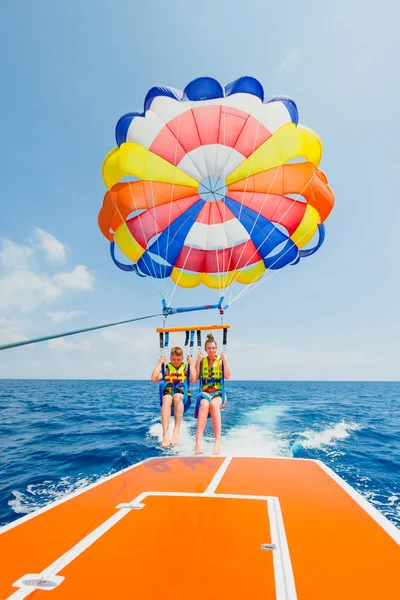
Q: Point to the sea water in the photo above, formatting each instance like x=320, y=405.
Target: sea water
x=58, y=436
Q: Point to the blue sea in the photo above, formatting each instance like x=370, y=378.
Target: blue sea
x=57, y=436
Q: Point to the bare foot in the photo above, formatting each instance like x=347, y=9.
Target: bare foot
x=217, y=447
x=198, y=450
x=175, y=439
x=165, y=441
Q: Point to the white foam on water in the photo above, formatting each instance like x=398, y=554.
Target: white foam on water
x=38, y=495
x=186, y=438
x=388, y=505
x=254, y=440
x=256, y=437
x=327, y=437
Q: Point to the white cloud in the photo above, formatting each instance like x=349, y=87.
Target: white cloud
x=78, y=279
x=61, y=316
x=137, y=340
x=14, y=256
x=55, y=250
x=25, y=285
x=25, y=290
x=63, y=344
x=290, y=62
x=10, y=332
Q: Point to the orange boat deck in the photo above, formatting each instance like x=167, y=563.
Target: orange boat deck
x=205, y=528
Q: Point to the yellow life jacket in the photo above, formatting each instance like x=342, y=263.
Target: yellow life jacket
x=211, y=376
x=175, y=375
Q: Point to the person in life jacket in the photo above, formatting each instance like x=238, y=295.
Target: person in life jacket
x=211, y=370
x=174, y=383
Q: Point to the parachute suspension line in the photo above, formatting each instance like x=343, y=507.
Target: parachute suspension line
x=172, y=186
x=225, y=265
x=171, y=240
x=176, y=283
x=141, y=226
x=252, y=285
x=183, y=267
x=233, y=276
x=282, y=217
x=207, y=172
x=220, y=173
x=219, y=269
x=223, y=268
x=231, y=293
x=75, y=332
x=183, y=295
x=259, y=212
x=161, y=284
x=255, y=284
x=213, y=167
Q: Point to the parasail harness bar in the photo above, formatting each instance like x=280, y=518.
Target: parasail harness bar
x=190, y=335
x=169, y=310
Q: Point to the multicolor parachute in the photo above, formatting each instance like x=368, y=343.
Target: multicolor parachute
x=214, y=185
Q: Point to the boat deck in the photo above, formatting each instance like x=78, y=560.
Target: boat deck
x=205, y=528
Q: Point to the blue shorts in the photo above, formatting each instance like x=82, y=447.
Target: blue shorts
x=207, y=396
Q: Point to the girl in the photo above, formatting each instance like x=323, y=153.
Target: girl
x=210, y=400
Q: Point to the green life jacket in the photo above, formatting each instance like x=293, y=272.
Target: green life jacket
x=211, y=376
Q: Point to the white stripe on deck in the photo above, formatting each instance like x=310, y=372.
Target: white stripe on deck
x=212, y=486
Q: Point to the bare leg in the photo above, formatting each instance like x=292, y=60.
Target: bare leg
x=201, y=424
x=165, y=419
x=215, y=410
x=178, y=414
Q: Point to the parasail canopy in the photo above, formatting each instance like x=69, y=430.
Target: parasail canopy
x=214, y=185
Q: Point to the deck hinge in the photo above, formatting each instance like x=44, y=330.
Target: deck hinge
x=268, y=546
x=37, y=581
x=132, y=506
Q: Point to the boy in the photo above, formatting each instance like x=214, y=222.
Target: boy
x=175, y=375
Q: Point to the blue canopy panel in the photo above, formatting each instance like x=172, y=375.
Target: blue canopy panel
x=121, y=128
x=169, y=244
x=321, y=238
x=289, y=104
x=245, y=85
x=203, y=88
x=265, y=236
x=161, y=90
x=121, y=265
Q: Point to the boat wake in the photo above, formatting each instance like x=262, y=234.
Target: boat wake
x=259, y=434
x=324, y=439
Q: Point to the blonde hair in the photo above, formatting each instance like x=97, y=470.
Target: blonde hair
x=210, y=340
x=176, y=351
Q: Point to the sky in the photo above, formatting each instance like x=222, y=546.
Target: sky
x=70, y=69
